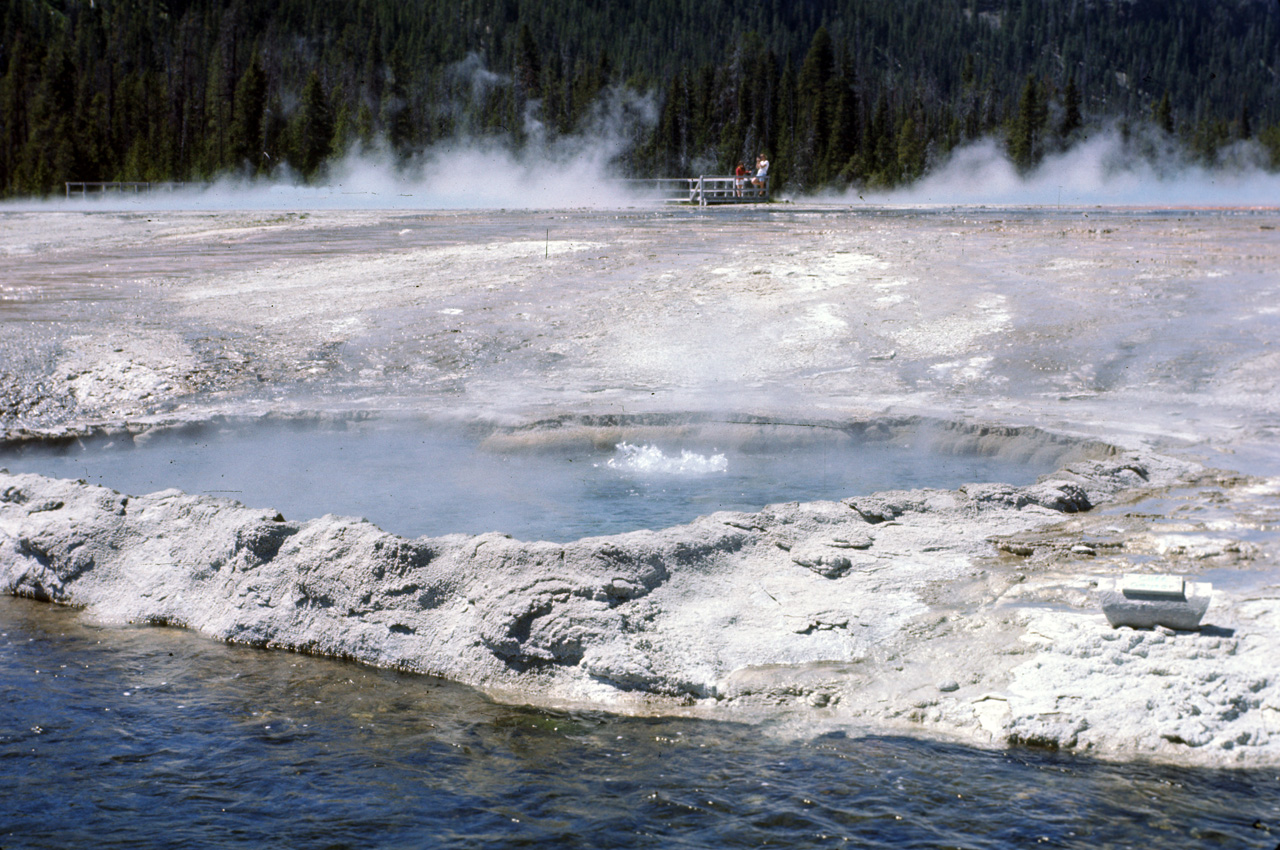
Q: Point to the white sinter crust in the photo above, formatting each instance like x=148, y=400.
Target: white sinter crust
x=969, y=613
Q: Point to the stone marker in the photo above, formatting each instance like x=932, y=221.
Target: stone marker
x=1147, y=601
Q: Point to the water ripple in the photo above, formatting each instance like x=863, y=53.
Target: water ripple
x=212, y=745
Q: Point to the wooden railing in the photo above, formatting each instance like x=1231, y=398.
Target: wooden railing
x=706, y=190
x=701, y=190
x=86, y=188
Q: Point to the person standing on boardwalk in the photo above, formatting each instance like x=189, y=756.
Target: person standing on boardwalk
x=762, y=172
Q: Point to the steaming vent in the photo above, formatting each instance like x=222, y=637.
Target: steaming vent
x=651, y=460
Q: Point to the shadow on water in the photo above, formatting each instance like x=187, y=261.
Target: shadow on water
x=151, y=737
x=559, y=481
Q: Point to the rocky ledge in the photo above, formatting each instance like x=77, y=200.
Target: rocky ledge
x=946, y=612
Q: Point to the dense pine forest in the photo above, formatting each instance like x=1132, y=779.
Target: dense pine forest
x=838, y=92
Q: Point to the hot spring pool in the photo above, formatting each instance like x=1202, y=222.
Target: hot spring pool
x=412, y=477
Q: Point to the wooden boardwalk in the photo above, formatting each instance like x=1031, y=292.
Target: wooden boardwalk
x=707, y=190
x=88, y=188
x=703, y=190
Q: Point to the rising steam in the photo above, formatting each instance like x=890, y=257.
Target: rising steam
x=1106, y=169
x=584, y=170
x=466, y=172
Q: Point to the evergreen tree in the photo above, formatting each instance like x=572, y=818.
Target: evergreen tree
x=275, y=134
x=911, y=150
x=671, y=140
x=344, y=119
x=1072, y=120
x=833, y=90
x=528, y=64
x=1162, y=113
x=968, y=76
x=1269, y=138
x=250, y=103
x=312, y=129
x=1025, y=141
x=397, y=115
x=880, y=153
x=589, y=79
x=842, y=149
x=782, y=163
x=48, y=158
x=14, y=128
x=815, y=102
x=364, y=127
x=218, y=112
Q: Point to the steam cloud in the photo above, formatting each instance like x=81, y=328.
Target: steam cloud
x=581, y=171
x=577, y=170
x=1104, y=170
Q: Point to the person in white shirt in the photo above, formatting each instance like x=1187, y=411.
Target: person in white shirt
x=762, y=172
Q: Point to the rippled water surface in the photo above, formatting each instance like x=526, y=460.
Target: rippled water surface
x=412, y=478
x=148, y=737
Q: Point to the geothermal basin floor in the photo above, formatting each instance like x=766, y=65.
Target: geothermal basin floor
x=1134, y=347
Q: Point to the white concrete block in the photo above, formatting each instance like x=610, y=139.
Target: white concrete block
x=1147, y=601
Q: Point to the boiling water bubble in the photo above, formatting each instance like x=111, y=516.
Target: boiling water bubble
x=651, y=460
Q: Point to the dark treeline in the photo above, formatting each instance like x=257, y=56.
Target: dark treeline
x=838, y=92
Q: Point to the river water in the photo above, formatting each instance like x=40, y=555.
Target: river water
x=149, y=737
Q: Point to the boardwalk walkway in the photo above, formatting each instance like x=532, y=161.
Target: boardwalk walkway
x=85, y=189
x=705, y=190
x=702, y=190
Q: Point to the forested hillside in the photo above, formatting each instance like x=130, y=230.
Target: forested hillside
x=838, y=92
